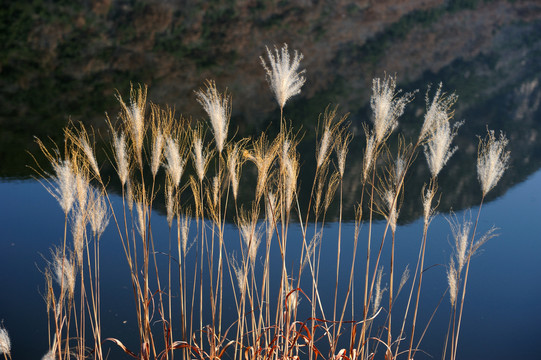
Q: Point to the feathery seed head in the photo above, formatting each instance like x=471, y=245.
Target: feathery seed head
x=175, y=164
x=133, y=117
x=492, y=160
x=218, y=108
x=262, y=155
x=283, y=75
x=185, y=231
x=234, y=165
x=84, y=144
x=386, y=106
x=200, y=156
x=342, y=147
x=64, y=188
x=141, y=218
x=438, y=148
x=98, y=214
x=250, y=234
x=5, y=342
x=392, y=211
x=461, y=235
x=130, y=196
x=272, y=212
x=324, y=146
x=452, y=280
x=83, y=186
x=378, y=292
x=369, y=153
x=50, y=355
x=404, y=278
x=64, y=271
x=169, y=201
x=437, y=110
x=121, y=157
x=239, y=274
x=428, y=196
x=157, y=150
x=78, y=227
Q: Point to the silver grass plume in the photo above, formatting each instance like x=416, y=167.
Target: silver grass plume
x=262, y=155
x=482, y=240
x=185, y=231
x=283, y=75
x=324, y=148
x=291, y=172
x=64, y=184
x=175, y=164
x=404, y=278
x=78, y=227
x=271, y=213
x=200, y=156
x=461, y=235
x=134, y=118
x=64, y=271
x=234, y=164
x=378, y=292
x=141, y=217
x=386, y=106
x=332, y=186
x=341, y=149
x=369, y=153
x=5, y=342
x=98, y=213
x=169, y=201
x=50, y=355
x=392, y=210
x=428, y=196
x=436, y=108
x=250, y=234
x=492, y=160
x=452, y=280
x=239, y=274
x=438, y=148
x=218, y=108
x=84, y=144
x=130, y=195
x=82, y=185
x=121, y=157
x=157, y=150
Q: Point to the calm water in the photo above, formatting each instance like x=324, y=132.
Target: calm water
x=501, y=314
x=499, y=86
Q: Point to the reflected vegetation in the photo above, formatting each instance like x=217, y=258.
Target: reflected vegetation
x=64, y=67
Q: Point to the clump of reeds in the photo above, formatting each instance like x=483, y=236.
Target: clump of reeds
x=286, y=318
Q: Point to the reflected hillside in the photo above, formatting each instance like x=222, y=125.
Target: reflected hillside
x=62, y=61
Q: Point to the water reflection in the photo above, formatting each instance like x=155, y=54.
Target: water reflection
x=496, y=76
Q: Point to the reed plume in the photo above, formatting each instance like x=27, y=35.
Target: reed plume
x=133, y=118
x=386, y=106
x=437, y=110
x=5, y=342
x=284, y=76
x=492, y=160
x=121, y=157
x=438, y=148
x=218, y=108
